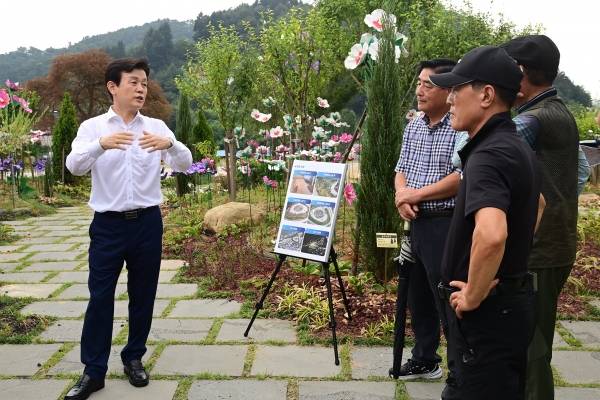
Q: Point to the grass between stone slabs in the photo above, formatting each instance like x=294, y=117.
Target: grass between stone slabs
x=10, y=316
x=183, y=388
x=249, y=360
x=169, y=308
x=56, y=357
x=293, y=389
x=61, y=289
x=214, y=331
x=567, y=336
x=558, y=381
x=50, y=276
x=121, y=338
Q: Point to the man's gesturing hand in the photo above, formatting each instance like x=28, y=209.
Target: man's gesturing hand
x=116, y=140
x=154, y=142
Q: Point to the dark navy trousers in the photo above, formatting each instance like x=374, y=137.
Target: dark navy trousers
x=113, y=241
x=428, y=237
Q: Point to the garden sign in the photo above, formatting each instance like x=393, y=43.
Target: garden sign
x=311, y=207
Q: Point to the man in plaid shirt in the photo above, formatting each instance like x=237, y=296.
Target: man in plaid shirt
x=426, y=187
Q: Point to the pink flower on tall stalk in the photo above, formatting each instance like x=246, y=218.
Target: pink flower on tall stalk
x=349, y=193
x=269, y=182
x=4, y=98
x=14, y=86
x=345, y=138
x=337, y=157
x=313, y=143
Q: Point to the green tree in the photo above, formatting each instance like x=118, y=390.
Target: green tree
x=183, y=133
x=63, y=135
x=376, y=210
x=202, y=133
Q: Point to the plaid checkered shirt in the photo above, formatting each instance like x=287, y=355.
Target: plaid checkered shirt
x=426, y=157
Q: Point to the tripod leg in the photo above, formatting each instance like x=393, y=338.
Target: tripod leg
x=339, y=278
x=331, y=315
x=259, y=305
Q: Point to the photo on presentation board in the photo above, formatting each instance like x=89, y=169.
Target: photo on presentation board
x=311, y=206
x=297, y=210
x=303, y=182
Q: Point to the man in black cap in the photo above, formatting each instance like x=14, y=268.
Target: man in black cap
x=484, y=268
x=550, y=129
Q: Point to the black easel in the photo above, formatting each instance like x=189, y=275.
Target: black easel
x=332, y=260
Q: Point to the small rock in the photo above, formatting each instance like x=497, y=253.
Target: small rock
x=39, y=365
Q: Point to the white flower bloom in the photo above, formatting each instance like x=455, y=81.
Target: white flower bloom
x=276, y=132
x=376, y=19
x=374, y=50
x=323, y=102
x=356, y=56
x=332, y=143
x=366, y=38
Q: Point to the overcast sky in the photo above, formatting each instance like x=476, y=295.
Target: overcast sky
x=573, y=25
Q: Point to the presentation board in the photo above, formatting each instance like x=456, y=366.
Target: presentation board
x=311, y=207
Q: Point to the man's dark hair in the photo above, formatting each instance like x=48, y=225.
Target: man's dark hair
x=540, y=78
x=116, y=68
x=438, y=65
x=506, y=96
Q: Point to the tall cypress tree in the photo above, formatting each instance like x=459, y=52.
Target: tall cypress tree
x=183, y=133
x=375, y=208
x=63, y=135
x=202, y=132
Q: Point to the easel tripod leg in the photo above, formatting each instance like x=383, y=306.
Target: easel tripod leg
x=331, y=315
x=339, y=278
x=260, y=303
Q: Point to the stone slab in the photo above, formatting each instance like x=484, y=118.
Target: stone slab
x=8, y=267
x=23, y=359
x=163, y=276
x=80, y=290
x=558, y=341
x=63, y=309
x=23, y=228
x=262, y=330
x=333, y=390
x=205, y=308
x=171, y=264
x=193, y=360
x=565, y=393
x=40, y=291
x=424, y=391
x=65, y=233
x=39, y=389
x=587, y=332
x=176, y=290
x=36, y=240
x=48, y=223
x=122, y=389
x=9, y=249
x=69, y=330
x=71, y=363
x=596, y=303
x=12, y=256
x=373, y=361
x=238, y=389
x=76, y=276
x=305, y=362
x=27, y=234
x=48, y=247
x=184, y=330
x=50, y=218
x=577, y=366
x=77, y=239
x=33, y=277
x=54, y=228
x=81, y=222
x=52, y=266
x=16, y=223
x=121, y=310
x=56, y=256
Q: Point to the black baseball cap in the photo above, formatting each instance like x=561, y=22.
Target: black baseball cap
x=488, y=64
x=537, y=52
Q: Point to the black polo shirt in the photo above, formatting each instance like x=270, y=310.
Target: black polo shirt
x=499, y=170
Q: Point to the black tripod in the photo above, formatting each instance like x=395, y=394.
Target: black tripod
x=332, y=260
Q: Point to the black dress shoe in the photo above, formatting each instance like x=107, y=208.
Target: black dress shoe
x=137, y=374
x=84, y=387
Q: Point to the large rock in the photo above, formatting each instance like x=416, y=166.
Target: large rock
x=231, y=213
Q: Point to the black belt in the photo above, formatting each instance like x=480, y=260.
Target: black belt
x=131, y=214
x=501, y=288
x=446, y=212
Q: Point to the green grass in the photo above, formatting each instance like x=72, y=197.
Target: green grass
x=11, y=311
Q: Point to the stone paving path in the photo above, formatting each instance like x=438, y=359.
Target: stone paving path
x=196, y=348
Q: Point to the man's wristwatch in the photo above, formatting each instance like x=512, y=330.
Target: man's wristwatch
x=172, y=142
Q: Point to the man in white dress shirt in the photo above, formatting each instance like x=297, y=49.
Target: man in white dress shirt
x=123, y=149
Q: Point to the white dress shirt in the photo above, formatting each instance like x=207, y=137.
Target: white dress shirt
x=129, y=179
